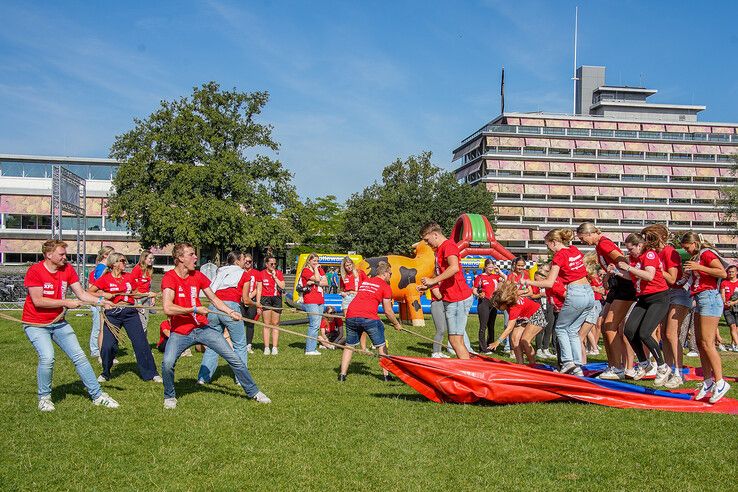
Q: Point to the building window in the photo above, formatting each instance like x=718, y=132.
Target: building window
x=609, y=154
x=630, y=154
x=81, y=170
x=719, y=137
x=603, y=198
x=534, y=151
x=529, y=130
x=608, y=176
x=578, y=132
x=513, y=196
x=681, y=157
x=606, y=221
x=655, y=178
x=559, y=152
x=14, y=169
x=584, y=153
x=557, y=220
x=699, y=137
x=602, y=133
x=632, y=177
x=535, y=174
x=681, y=178
x=505, y=172
x=12, y=221
x=552, y=130
x=673, y=136
x=704, y=157
x=585, y=175
x=552, y=174
x=28, y=221
x=626, y=134
x=102, y=173
x=657, y=156
x=509, y=150
x=631, y=199
x=651, y=135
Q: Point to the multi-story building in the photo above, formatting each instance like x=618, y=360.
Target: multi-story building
x=621, y=162
x=25, y=209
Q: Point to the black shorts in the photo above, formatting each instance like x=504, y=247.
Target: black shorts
x=622, y=290
x=272, y=301
x=731, y=318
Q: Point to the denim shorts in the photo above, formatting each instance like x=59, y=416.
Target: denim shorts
x=730, y=317
x=680, y=297
x=709, y=303
x=374, y=328
x=457, y=314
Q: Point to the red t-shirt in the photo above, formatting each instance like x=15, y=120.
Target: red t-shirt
x=603, y=248
x=595, y=281
x=452, y=289
x=143, y=282
x=54, y=286
x=702, y=281
x=124, y=284
x=556, y=294
x=370, y=295
x=268, y=285
x=729, y=288
x=233, y=294
x=488, y=283
x=186, y=294
x=517, y=277
x=524, y=308
x=669, y=259
x=163, y=336
x=571, y=264
x=352, y=282
x=253, y=276
x=644, y=287
x=331, y=325
x=315, y=293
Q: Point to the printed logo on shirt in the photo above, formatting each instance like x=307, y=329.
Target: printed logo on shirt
x=650, y=255
x=180, y=292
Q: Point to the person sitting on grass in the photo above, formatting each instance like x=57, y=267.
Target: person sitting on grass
x=331, y=329
x=43, y=322
x=362, y=316
x=526, y=319
x=181, y=289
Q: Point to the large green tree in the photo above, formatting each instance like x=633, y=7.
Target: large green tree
x=190, y=172
x=321, y=222
x=386, y=217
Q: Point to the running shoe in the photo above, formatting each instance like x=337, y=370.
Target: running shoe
x=439, y=355
x=275, y=351
x=249, y=349
x=170, y=403
x=720, y=388
x=267, y=351
x=705, y=389
x=692, y=353
x=642, y=370
x=539, y=354
x=577, y=371
x=105, y=400
x=629, y=373
x=568, y=367
x=102, y=379
x=261, y=398
x=45, y=404
x=662, y=374
x=341, y=378
x=313, y=352
x=548, y=354
x=652, y=369
x=156, y=379
x=674, y=381
x=721, y=347
x=609, y=374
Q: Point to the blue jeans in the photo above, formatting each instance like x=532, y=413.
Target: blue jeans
x=577, y=305
x=213, y=339
x=63, y=335
x=457, y=314
x=439, y=319
x=94, y=349
x=236, y=329
x=315, y=314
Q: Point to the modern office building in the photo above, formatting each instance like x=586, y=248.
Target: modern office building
x=621, y=162
x=25, y=209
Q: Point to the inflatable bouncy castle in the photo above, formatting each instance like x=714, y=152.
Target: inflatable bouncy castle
x=474, y=236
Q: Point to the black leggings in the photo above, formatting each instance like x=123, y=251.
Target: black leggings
x=249, y=312
x=487, y=317
x=647, y=313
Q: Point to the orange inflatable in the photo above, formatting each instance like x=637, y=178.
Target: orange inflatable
x=406, y=275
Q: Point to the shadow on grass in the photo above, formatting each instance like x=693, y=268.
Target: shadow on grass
x=187, y=386
x=400, y=396
x=60, y=392
x=420, y=348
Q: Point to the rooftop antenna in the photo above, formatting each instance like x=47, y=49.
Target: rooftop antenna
x=574, y=78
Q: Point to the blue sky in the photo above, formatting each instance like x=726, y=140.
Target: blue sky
x=354, y=85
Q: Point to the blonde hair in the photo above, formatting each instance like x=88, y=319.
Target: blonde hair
x=179, y=249
x=697, y=238
x=113, y=258
x=506, y=294
x=51, y=245
x=104, y=251
x=588, y=228
x=311, y=256
x=563, y=236
x=591, y=263
x=148, y=270
x=345, y=260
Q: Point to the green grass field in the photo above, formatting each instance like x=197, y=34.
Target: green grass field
x=364, y=434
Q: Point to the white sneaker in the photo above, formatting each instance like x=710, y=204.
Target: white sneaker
x=692, y=353
x=313, y=352
x=641, y=370
x=267, y=351
x=157, y=379
x=101, y=379
x=548, y=354
x=568, y=367
x=106, y=401
x=721, y=387
x=115, y=361
x=662, y=375
x=539, y=354
x=629, y=373
x=608, y=374
x=439, y=355
x=674, y=381
x=187, y=353
x=577, y=371
x=261, y=398
x=249, y=349
x=652, y=369
x=721, y=348
x=275, y=350
x=451, y=351
x=45, y=404
x=200, y=381
x=170, y=403
x=705, y=389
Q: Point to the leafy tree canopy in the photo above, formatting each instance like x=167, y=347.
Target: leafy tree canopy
x=729, y=197
x=386, y=217
x=321, y=222
x=185, y=174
